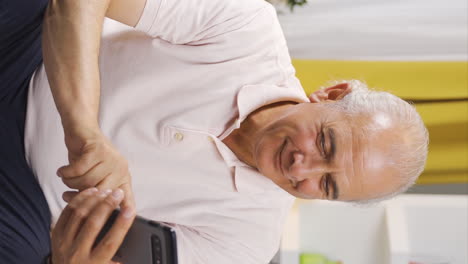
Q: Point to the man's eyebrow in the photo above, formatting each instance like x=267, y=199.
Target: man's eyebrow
x=331, y=135
x=336, y=191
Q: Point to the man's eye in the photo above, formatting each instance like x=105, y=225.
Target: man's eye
x=325, y=185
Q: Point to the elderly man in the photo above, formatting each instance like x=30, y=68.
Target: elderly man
x=201, y=107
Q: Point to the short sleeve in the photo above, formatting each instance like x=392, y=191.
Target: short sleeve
x=185, y=21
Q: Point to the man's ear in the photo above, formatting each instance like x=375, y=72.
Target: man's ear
x=332, y=93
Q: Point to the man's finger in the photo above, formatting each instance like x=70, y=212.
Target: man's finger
x=111, y=242
x=69, y=195
x=84, y=181
x=98, y=173
x=129, y=200
x=80, y=167
x=65, y=215
x=81, y=213
x=97, y=219
x=120, y=182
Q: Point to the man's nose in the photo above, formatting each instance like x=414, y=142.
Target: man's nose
x=306, y=166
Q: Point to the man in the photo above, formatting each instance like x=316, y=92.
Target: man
x=205, y=112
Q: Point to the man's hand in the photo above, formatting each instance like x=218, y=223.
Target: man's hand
x=80, y=223
x=94, y=162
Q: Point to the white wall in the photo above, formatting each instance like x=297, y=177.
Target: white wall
x=378, y=30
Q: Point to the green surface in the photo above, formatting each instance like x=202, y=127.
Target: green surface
x=307, y=258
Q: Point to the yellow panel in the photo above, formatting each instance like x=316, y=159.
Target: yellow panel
x=451, y=156
x=444, y=178
x=444, y=113
x=424, y=80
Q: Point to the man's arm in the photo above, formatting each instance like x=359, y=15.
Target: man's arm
x=71, y=39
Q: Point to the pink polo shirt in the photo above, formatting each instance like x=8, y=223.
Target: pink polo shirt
x=169, y=96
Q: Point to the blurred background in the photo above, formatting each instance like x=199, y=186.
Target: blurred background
x=418, y=50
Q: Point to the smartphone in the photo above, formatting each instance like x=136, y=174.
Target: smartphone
x=147, y=242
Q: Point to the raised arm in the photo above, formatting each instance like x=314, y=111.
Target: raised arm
x=71, y=39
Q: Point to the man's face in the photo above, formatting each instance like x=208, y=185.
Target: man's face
x=313, y=153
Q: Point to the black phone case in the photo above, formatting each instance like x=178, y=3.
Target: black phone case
x=147, y=242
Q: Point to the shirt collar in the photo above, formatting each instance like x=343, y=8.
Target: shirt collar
x=252, y=97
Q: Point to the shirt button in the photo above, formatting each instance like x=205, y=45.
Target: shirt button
x=178, y=136
x=238, y=122
x=210, y=138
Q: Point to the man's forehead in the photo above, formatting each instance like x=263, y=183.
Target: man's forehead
x=367, y=173
x=377, y=173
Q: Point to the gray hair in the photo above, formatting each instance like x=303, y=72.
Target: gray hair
x=412, y=154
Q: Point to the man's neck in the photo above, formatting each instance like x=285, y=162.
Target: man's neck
x=242, y=141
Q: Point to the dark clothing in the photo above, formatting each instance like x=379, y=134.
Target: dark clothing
x=24, y=213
